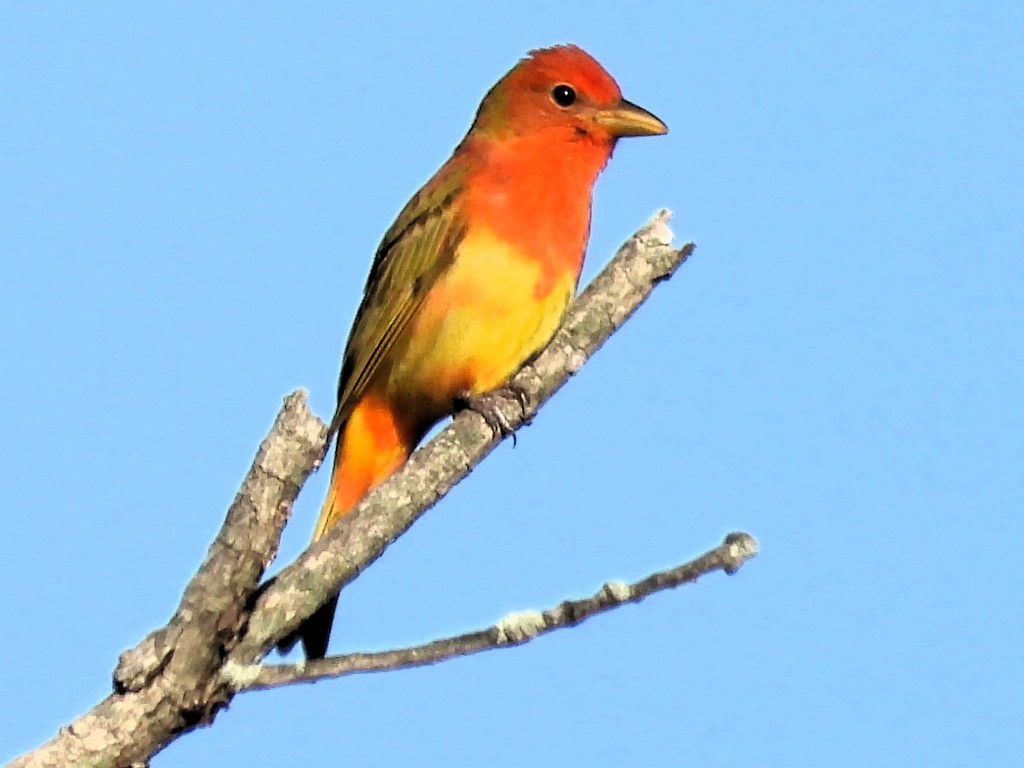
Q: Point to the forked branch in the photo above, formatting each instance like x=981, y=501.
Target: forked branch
x=181, y=675
x=511, y=630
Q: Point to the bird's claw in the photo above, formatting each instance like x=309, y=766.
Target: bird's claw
x=520, y=394
x=489, y=407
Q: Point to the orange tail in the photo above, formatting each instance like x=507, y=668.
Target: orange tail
x=371, y=445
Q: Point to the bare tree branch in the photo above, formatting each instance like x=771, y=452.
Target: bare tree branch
x=167, y=684
x=646, y=259
x=174, y=680
x=214, y=602
x=512, y=630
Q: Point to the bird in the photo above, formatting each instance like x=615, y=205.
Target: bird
x=476, y=273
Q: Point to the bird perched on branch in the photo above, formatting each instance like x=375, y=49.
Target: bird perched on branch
x=477, y=271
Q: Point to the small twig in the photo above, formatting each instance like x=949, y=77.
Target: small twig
x=514, y=629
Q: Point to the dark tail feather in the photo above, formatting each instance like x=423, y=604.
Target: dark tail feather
x=315, y=632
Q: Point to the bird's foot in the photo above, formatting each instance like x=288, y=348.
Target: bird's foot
x=488, y=405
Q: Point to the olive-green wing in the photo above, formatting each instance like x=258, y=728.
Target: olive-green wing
x=414, y=252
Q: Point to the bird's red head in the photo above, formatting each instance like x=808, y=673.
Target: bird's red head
x=561, y=90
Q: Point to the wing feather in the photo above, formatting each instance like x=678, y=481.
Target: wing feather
x=413, y=254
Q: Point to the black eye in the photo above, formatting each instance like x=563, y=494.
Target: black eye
x=563, y=95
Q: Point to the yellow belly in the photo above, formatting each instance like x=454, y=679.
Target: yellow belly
x=484, y=318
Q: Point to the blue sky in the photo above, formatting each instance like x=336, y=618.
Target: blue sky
x=191, y=198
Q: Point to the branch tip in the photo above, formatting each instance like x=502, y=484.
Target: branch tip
x=657, y=231
x=739, y=547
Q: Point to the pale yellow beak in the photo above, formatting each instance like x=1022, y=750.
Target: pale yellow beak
x=627, y=119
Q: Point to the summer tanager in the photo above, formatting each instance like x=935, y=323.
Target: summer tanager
x=477, y=271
